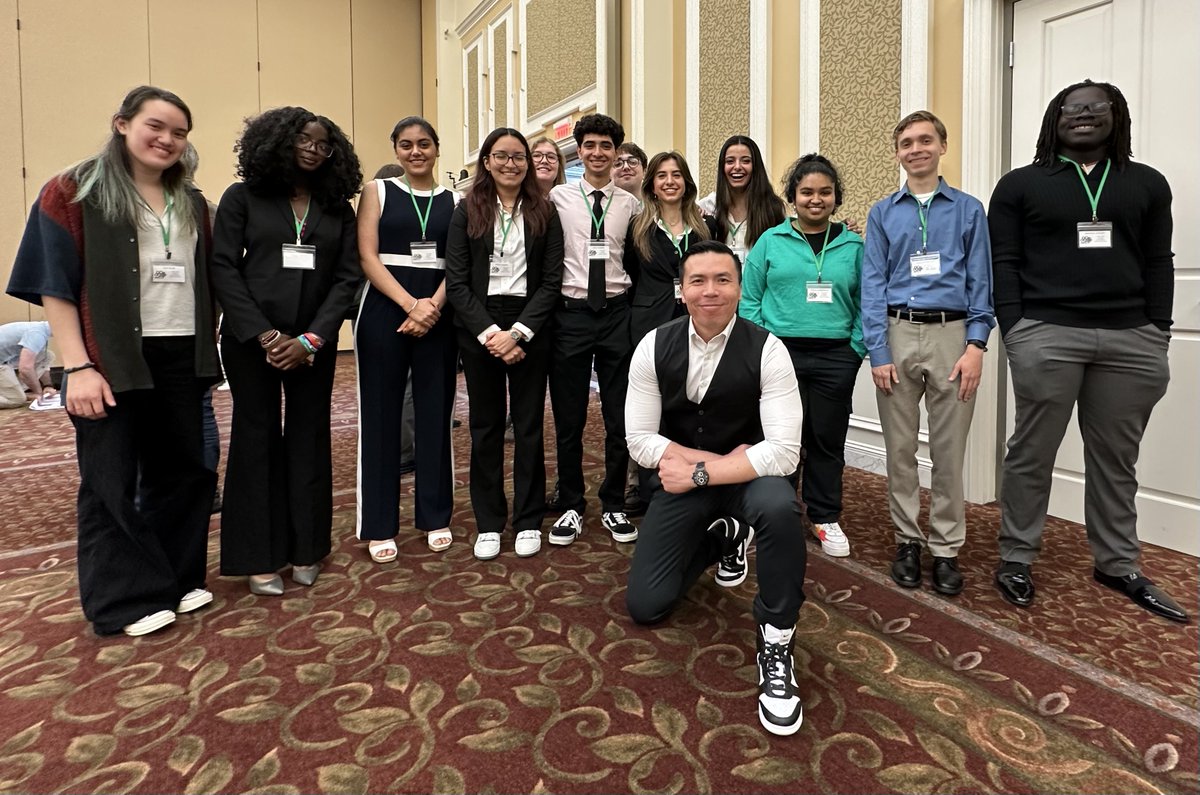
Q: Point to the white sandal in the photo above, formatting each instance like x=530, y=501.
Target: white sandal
x=439, y=540
x=382, y=551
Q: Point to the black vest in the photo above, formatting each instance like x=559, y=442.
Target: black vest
x=728, y=414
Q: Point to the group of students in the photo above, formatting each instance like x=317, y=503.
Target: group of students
x=534, y=282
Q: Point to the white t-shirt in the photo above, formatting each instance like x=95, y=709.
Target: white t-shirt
x=168, y=297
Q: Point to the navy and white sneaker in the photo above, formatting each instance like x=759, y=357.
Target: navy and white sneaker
x=568, y=527
x=779, y=707
x=617, y=523
x=731, y=571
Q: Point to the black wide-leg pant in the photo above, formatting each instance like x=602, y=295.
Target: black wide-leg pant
x=278, y=504
x=143, y=542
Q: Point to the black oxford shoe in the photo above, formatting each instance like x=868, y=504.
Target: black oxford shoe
x=1144, y=593
x=947, y=579
x=1015, y=582
x=906, y=568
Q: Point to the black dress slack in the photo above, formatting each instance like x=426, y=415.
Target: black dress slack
x=467, y=287
x=278, y=499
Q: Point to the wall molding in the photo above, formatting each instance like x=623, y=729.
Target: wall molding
x=810, y=76
x=470, y=147
x=760, y=76
x=692, y=80
x=505, y=19
x=914, y=55
x=637, y=64
x=477, y=15
x=587, y=97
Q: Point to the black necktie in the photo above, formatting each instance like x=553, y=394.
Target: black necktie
x=596, y=292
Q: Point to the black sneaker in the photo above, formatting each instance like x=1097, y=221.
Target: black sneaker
x=553, y=505
x=568, y=527
x=617, y=523
x=634, y=504
x=779, y=707
x=731, y=571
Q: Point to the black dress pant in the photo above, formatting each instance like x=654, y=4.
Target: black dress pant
x=581, y=336
x=143, y=542
x=826, y=380
x=278, y=504
x=673, y=548
x=488, y=378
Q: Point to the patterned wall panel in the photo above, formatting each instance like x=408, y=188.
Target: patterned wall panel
x=860, y=96
x=500, y=58
x=560, y=51
x=473, y=99
x=724, y=81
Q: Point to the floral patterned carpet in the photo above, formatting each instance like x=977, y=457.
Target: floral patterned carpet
x=440, y=673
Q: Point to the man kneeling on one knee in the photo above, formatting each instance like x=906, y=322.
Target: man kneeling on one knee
x=714, y=409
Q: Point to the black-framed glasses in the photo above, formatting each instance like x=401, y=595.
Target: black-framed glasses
x=1080, y=108
x=627, y=162
x=308, y=144
x=504, y=157
x=549, y=157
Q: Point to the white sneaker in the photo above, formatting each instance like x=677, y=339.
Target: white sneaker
x=151, y=623
x=780, y=709
x=833, y=541
x=617, y=523
x=194, y=600
x=529, y=543
x=568, y=527
x=487, y=546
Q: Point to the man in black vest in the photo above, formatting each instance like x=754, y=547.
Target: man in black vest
x=714, y=409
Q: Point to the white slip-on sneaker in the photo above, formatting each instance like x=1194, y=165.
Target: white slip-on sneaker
x=194, y=600
x=487, y=546
x=529, y=543
x=151, y=623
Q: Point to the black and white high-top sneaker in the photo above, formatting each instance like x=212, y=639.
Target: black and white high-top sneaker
x=779, y=707
x=737, y=536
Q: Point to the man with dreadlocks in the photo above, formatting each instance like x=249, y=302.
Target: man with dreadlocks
x=1084, y=282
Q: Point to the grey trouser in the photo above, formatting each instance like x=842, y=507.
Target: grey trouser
x=1116, y=376
x=924, y=355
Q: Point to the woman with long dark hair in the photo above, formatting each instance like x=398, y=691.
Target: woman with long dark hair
x=285, y=268
x=744, y=204
x=116, y=250
x=503, y=276
x=404, y=330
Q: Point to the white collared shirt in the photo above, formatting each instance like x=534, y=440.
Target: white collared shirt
x=779, y=407
x=514, y=248
x=575, y=212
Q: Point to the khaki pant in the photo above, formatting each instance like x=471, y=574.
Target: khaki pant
x=924, y=355
x=12, y=391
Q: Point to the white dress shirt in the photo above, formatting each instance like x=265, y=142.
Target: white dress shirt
x=513, y=248
x=575, y=213
x=779, y=407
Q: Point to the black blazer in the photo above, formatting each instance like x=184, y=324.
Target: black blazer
x=654, y=291
x=467, y=273
x=256, y=292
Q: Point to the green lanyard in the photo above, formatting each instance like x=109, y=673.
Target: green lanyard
x=422, y=219
x=675, y=241
x=820, y=257
x=300, y=222
x=504, y=227
x=165, y=228
x=734, y=229
x=925, y=218
x=1094, y=199
x=596, y=222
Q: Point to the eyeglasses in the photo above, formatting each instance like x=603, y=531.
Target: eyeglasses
x=1078, y=109
x=627, y=162
x=320, y=147
x=504, y=157
x=548, y=157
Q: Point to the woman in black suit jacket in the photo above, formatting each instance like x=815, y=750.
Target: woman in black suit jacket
x=285, y=269
x=504, y=260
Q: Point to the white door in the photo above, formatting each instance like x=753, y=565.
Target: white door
x=1147, y=48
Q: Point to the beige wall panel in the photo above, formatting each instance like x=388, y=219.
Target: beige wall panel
x=75, y=69
x=216, y=74
x=430, y=34
x=388, y=63
x=946, y=72
x=680, y=74
x=13, y=206
x=785, y=87
x=556, y=71
x=860, y=96
x=724, y=81
x=500, y=60
x=472, y=78
x=304, y=49
x=626, y=50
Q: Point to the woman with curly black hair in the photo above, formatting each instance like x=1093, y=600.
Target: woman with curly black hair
x=285, y=268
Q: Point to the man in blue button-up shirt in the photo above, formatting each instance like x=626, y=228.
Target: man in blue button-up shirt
x=926, y=317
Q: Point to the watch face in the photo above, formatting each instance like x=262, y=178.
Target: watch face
x=700, y=476
x=516, y=335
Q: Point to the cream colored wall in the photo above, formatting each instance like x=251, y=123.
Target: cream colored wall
x=58, y=95
x=946, y=76
x=785, y=87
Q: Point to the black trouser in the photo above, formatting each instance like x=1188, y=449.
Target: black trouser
x=673, y=548
x=826, y=380
x=488, y=378
x=143, y=545
x=581, y=335
x=278, y=505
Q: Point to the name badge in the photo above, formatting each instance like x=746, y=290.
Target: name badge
x=423, y=253
x=500, y=266
x=165, y=272
x=678, y=291
x=300, y=258
x=597, y=249
x=929, y=264
x=818, y=292
x=1095, y=234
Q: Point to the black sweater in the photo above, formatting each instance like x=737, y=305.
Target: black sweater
x=1038, y=269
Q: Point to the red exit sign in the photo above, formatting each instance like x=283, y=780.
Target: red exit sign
x=562, y=129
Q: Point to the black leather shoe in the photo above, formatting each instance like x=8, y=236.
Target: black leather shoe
x=947, y=579
x=1015, y=582
x=1144, y=593
x=634, y=504
x=906, y=568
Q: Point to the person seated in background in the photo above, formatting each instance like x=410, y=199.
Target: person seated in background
x=25, y=361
